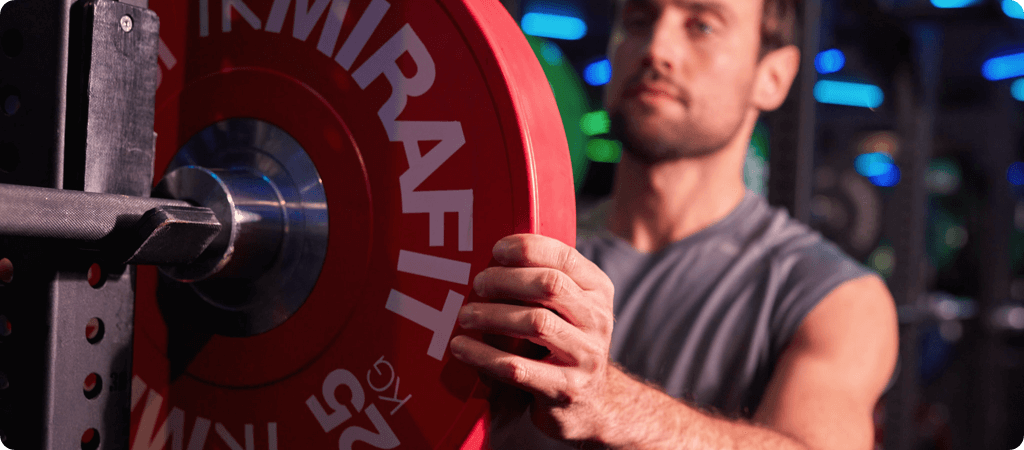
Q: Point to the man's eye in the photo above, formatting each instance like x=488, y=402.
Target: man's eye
x=700, y=26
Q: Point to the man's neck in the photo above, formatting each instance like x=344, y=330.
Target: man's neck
x=655, y=205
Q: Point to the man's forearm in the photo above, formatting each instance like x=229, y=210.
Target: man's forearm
x=643, y=417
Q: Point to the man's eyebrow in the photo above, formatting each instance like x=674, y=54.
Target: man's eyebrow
x=638, y=3
x=697, y=6
x=701, y=6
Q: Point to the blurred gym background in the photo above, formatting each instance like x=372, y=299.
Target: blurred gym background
x=902, y=141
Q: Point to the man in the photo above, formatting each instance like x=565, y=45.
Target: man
x=714, y=296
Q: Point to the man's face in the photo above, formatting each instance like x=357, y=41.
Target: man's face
x=682, y=75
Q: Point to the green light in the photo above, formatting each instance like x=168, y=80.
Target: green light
x=759, y=140
x=595, y=123
x=945, y=236
x=883, y=260
x=572, y=101
x=956, y=237
x=943, y=176
x=755, y=171
x=604, y=150
x=755, y=167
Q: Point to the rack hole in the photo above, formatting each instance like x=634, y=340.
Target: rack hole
x=9, y=157
x=5, y=326
x=90, y=439
x=12, y=43
x=92, y=386
x=11, y=100
x=6, y=271
x=12, y=103
x=96, y=276
x=94, y=330
x=4, y=384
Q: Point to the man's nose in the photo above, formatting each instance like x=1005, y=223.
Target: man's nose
x=666, y=45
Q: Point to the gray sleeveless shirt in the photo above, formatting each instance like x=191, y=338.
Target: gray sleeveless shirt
x=707, y=317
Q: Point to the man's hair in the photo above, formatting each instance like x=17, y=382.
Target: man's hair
x=780, y=25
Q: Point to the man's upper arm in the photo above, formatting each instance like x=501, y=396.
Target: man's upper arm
x=837, y=364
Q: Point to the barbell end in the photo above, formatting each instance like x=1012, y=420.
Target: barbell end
x=173, y=235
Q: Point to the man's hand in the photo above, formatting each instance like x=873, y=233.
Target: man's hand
x=566, y=306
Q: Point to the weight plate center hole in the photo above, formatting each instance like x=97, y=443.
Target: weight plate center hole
x=269, y=199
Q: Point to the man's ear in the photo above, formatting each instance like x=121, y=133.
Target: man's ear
x=775, y=74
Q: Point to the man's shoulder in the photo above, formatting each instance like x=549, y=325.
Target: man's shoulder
x=786, y=240
x=754, y=229
x=754, y=233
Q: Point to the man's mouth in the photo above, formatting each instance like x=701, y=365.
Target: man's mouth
x=652, y=91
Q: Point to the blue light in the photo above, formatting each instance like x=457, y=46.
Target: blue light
x=878, y=168
x=554, y=26
x=551, y=53
x=888, y=179
x=1017, y=89
x=954, y=3
x=829, y=61
x=873, y=164
x=598, y=73
x=1013, y=9
x=1003, y=67
x=849, y=94
x=1015, y=174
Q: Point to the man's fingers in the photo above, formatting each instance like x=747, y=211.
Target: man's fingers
x=533, y=376
x=533, y=250
x=539, y=285
x=538, y=325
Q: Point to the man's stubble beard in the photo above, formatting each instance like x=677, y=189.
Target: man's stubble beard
x=669, y=142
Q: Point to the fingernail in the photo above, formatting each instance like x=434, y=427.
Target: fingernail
x=466, y=315
x=501, y=249
x=478, y=284
x=456, y=347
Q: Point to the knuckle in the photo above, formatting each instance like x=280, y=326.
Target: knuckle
x=593, y=357
x=518, y=373
x=553, y=284
x=605, y=321
x=608, y=287
x=521, y=246
x=542, y=323
x=568, y=259
x=574, y=387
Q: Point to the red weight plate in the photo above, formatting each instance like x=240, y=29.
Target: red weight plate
x=433, y=133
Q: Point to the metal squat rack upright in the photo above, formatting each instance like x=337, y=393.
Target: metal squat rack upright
x=78, y=82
